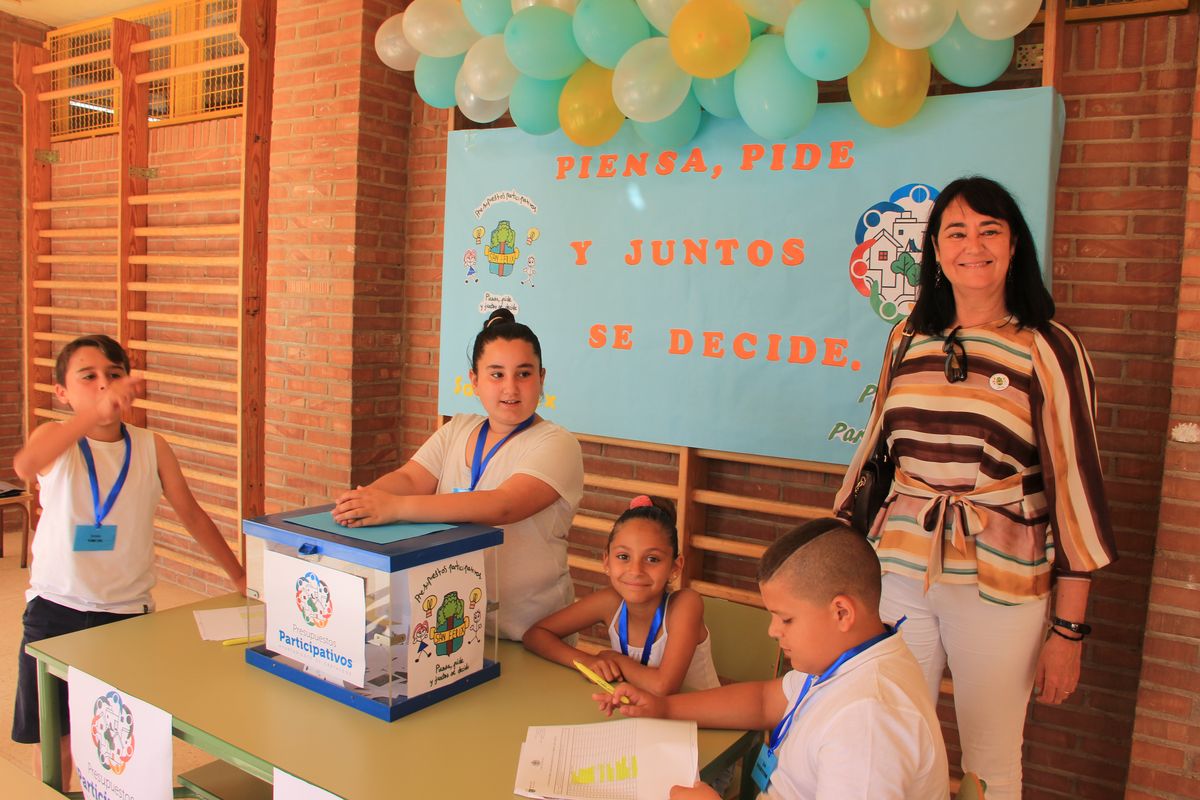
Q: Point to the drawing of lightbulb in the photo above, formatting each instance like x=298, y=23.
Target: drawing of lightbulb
x=478, y=234
x=532, y=236
x=428, y=605
x=476, y=593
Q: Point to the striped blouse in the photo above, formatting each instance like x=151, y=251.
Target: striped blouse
x=1004, y=464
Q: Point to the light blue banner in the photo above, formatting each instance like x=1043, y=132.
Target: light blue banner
x=735, y=294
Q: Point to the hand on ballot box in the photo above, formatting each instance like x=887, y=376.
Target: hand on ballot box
x=700, y=791
x=365, y=505
x=632, y=702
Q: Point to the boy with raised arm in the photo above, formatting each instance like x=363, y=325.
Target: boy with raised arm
x=100, y=480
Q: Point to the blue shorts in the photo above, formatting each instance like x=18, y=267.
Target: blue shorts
x=42, y=620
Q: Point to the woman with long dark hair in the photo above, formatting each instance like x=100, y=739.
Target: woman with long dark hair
x=997, y=514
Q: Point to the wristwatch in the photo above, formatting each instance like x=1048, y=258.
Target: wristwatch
x=1081, y=628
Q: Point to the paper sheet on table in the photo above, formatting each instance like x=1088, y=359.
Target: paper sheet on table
x=629, y=759
x=219, y=624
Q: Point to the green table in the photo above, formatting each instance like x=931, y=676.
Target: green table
x=464, y=747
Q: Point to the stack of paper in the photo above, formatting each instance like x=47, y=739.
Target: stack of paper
x=628, y=759
x=225, y=624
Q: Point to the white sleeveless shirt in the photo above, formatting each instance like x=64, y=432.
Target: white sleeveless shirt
x=701, y=674
x=117, y=580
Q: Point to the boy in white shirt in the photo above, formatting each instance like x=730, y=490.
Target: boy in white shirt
x=100, y=481
x=853, y=719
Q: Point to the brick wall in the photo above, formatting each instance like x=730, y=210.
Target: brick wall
x=1166, y=737
x=12, y=29
x=335, y=274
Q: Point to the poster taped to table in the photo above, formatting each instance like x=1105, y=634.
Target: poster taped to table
x=113, y=762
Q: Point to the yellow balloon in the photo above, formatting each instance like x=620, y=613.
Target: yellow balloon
x=710, y=38
x=586, y=110
x=889, y=86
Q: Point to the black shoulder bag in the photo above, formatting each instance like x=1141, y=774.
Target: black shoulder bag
x=875, y=478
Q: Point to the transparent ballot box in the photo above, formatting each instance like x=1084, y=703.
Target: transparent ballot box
x=386, y=619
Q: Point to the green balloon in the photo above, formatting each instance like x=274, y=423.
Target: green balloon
x=434, y=79
x=533, y=104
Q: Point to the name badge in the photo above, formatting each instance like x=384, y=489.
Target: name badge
x=95, y=537
x=764, y=765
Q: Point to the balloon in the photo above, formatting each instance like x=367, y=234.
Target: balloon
x=773, y=12
x=716, y=96
x=562, y=5
x=890, y=85
x=605, y=29
x=438, y=28
x=757, y=26
x=998, y=19
x=487, y=71
x=540, y=44
x=709, y=38
x=647, y=84
x=488, y=16
x=434, y=78
x=472, y=106
x=391, y=46
x=586, y=110
x=827, y=39
x=534, y=104
x=676, y=129
x=774, y=98
x=913, y=24
x=660, y=13
x=967, y=60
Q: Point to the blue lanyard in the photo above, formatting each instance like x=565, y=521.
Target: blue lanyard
x=785, y=724
x=655, y=624
x=101, y=511
x=480, y=461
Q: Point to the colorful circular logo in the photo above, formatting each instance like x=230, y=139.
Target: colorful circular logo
x=112, y=732
x=885, y=265
x=313, y=600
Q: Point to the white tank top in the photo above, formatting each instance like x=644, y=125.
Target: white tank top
x=701, y=674
x=117, y=580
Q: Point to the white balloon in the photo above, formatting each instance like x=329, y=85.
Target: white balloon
x=391, y=46
x=563, y=5
x=997, y=19
x=438, y=28
x=487, y=71
x=912, y=24
x=647, y=84
x=661, y=13
x=775, y=12
x=473, y=106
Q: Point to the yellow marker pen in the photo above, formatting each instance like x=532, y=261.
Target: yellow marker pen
x=596, y=679
x=243, y=640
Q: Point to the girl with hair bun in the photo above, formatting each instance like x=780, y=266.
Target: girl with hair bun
x=658, y=638
x=509, y=468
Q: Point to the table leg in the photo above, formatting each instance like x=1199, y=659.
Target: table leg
x=50, y=728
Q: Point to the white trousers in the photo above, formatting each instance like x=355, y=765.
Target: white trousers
x=992, y=651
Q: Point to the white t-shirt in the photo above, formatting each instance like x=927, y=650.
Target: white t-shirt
x=869, y=731
x=534, y=580
x=701, y=674
x=117, y=580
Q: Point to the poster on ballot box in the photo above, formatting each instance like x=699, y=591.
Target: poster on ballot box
x=448, y=604
x=316, y=615
x=121, y=745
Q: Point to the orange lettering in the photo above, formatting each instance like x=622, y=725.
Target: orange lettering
x=740, y=342
x=839, y=154
x=712, y=344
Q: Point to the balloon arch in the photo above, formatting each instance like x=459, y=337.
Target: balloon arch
x=586, y=66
